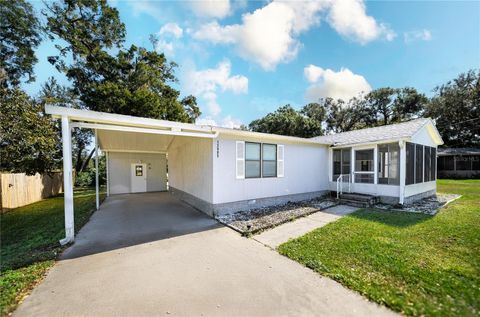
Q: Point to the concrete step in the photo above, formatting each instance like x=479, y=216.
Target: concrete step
x=354, y=203
x=358, y=200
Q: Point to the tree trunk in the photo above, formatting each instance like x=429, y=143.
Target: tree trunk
x=78, y=164
x=85, y=163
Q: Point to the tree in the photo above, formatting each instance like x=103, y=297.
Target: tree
x=135, y=81
x=346, y=116
x=53, y=93
x=456, y=110
x=392, y=105
x=28, y=140
x=19, y=36
x=287, y=121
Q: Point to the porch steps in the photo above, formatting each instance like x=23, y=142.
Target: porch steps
x=358, y=200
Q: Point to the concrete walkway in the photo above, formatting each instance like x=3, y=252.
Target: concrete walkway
x=291, y=230
x=192, y=267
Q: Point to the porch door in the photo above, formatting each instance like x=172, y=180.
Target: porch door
x=138, y=178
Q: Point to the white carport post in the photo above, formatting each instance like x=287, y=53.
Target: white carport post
x=97, y=196
x=67, y=181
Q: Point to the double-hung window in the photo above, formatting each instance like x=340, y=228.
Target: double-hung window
x=269, y=160
x=252, y=160
x=260, y=160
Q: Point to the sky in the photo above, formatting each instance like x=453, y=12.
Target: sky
x=244, y=59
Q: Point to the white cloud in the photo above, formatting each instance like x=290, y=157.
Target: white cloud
x=145, y=7
x=205, y=83
x=165, y=47
x=172, y=29
x=419, y=35
x=211, y=8
x=269, y=35
x=313, y=73
x=226, y=122
x=168, y=34
x=327, y=83
x=349, y=18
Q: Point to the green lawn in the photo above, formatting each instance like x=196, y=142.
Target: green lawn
x=29, y=243
x=415, y=264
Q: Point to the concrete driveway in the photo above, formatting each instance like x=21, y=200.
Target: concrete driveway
x=152, y=255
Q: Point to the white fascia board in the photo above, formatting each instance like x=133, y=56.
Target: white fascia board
x=142, y=130
x=120, y=119
x=259, y=135
x=343, y=145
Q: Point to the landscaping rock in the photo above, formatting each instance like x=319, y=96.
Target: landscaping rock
x=429, y=205
x=255, y=220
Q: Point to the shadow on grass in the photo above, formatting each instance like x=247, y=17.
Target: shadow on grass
x=391, y=218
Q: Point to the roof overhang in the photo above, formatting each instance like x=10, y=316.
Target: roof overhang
x=102, y=121
x=385, y=141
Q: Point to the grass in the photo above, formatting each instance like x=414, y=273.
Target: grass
x=416, y=264
x=29, y=243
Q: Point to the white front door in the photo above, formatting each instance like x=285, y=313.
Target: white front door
x=138, y=178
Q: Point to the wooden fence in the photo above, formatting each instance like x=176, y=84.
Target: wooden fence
x=18, y=190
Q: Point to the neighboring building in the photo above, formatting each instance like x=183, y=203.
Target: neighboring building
x=458, y=163
x=220, y=170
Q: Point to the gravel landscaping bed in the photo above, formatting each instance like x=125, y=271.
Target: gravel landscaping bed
x=429, y=205
x=256, y=220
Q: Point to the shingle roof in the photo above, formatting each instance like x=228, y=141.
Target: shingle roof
x=387, y=132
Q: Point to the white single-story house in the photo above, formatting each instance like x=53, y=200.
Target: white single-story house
x=220, y=170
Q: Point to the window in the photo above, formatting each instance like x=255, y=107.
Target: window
x=269, y=160
x=410, y=166
x=427, y=160
x=418, y=163
x=341, y=162
x=389, y=164
x=260, y=160
x=252, y=160
x=364, y=166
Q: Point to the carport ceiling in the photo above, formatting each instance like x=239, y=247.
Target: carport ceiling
x=133, y=141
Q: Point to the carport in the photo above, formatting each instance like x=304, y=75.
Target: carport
x=131, y=139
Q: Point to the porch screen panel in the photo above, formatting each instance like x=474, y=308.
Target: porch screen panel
x=418, y=163
x=341, y=162
x=427, y=160
x=389, y=164
x=410, y=164
x=364, y=166
x=337, y=164
x=346, y=161
x=433, y=159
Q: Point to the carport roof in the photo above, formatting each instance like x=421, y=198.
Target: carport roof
x=115, y=129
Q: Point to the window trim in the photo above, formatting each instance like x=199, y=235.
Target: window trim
x=248, y=160
x=274, y=160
